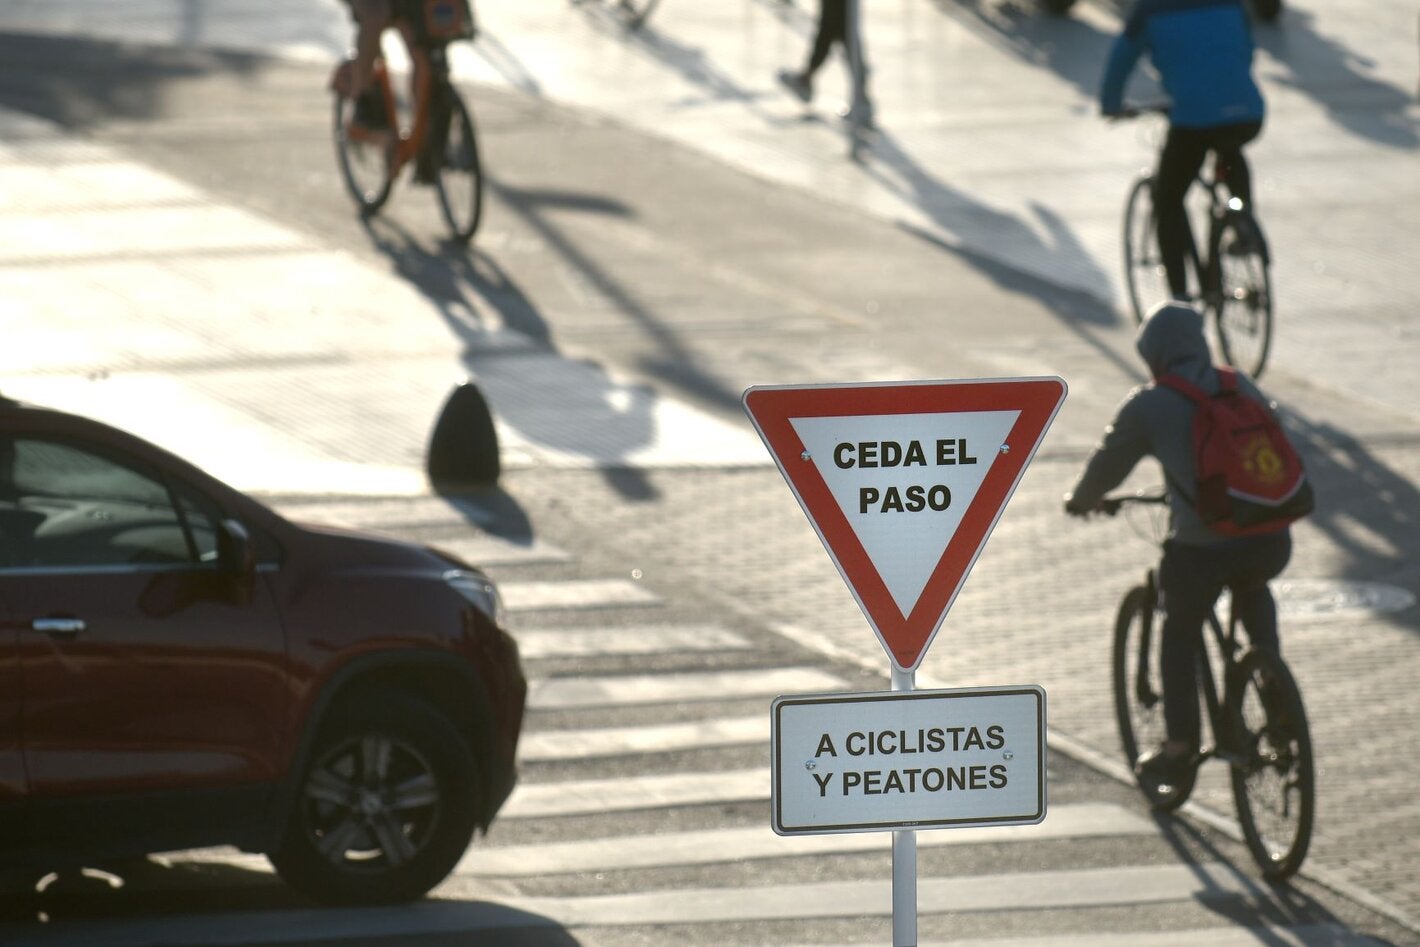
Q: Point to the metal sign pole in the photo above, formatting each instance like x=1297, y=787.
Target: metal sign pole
x=904, y=856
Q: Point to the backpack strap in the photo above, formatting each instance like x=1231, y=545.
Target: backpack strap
x=1199, y=397
x=1184, y=387
x=1227, y=384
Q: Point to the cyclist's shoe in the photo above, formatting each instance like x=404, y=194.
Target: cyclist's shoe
x=1165, y=776
x=797, y=83
x=1275, y=704
x=426, y=168
x=370, y=113
x=860, y=116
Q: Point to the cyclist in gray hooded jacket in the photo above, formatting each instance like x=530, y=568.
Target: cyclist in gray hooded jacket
x=1198, y=563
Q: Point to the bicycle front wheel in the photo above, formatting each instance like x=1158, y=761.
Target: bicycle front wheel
x=460, y=180
x=1144, y=273
x=1242, y=311
x=1274, y=780
x=363, y=162
x=1139, y=688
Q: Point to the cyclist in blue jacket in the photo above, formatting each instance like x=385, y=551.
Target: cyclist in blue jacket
x=1202, y=50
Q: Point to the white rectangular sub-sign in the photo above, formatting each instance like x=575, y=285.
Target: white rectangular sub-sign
x=908, y=760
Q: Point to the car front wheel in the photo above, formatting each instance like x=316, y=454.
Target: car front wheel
x=385, y=807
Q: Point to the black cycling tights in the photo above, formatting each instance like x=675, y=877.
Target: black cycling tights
x=1179, y=164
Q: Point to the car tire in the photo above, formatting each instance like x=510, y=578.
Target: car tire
x=386, y=805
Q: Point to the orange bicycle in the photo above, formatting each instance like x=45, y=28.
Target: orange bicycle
x=433, y=130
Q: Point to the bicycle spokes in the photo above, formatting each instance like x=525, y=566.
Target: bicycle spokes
x=1242, y=306
x=364, y=156
x=460, y=179
x=1273, y=777
x=1138, y=687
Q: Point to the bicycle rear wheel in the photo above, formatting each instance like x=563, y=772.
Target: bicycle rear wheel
x=1139, y=688
x=1242, y=309
x=1144, y=274
x=460, y=180
x=362, y=159
x=1274, y=780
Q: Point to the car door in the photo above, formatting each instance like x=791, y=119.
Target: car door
x=13, y=786
x=149, y=672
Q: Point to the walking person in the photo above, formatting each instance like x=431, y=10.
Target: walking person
x=1202, y=50
x=839, y=21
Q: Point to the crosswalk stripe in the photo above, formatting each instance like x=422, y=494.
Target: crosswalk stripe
x=465, y=917
x=1023, y=891
x=586, y=796
x=570, y=692
x=582, y=642
x=162, y=229
x=618, y=741
x=569, y=594
x=495, y=551
x=710, y=846
x=1308, y=935
x=381, y=513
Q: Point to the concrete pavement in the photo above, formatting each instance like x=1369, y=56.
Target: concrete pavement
x=1044, y=203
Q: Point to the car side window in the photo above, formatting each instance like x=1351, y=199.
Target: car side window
x=66, y=506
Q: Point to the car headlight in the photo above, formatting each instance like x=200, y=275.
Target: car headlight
x=479, y=592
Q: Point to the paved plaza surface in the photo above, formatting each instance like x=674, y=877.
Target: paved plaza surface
x=992, y=195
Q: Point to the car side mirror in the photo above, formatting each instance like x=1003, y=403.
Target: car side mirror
x=235, y=556
x=236, y=560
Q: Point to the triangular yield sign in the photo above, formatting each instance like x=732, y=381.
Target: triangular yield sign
x=904, y=481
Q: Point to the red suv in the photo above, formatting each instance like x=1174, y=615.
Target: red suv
x=181, y=667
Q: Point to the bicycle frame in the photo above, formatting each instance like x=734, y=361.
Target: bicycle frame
x=1227, y=646
x=430, y=71
x=1206, y=271
x=1255, y=712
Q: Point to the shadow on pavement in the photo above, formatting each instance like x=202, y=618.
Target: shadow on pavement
x=100, y=81
x=201, y=893
x=1264, y=905
x=691, y=62
x=1319, y=66
x=465, y=284
x=1368, y=510
x=1072, y=49
x=461, y=282
x=1337, y=79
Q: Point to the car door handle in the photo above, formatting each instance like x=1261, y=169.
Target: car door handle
x=59, y=627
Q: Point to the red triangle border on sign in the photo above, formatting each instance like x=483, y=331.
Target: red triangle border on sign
x=772, y=409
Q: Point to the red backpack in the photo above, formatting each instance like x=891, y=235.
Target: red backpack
x=1250, y=478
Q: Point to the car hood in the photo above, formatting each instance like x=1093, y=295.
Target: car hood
x=355, y=548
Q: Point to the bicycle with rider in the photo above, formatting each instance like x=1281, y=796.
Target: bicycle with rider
x=1198, y=562
x=1202, y=51
x=356, y=78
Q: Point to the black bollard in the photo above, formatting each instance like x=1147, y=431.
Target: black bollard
x=463, y=449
